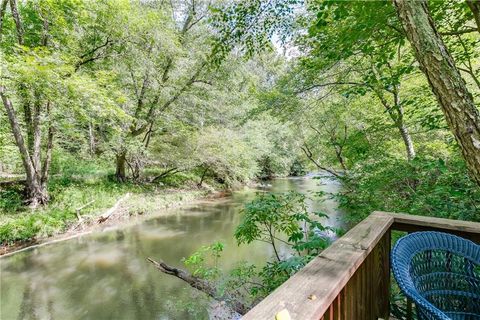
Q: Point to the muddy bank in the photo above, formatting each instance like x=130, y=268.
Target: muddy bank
x=129, y=209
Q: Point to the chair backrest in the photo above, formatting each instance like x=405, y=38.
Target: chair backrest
x=440, y=273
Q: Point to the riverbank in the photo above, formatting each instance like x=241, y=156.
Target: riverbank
x=112, y=265
x=92, y=204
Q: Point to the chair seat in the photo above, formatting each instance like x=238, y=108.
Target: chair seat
x=440, y=273
x=462, y=316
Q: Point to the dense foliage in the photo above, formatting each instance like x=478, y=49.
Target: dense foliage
x=100, y=98
x=284, y=223
x=89, y=105
x=365, y=111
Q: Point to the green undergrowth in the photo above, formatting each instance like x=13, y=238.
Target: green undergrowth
x=19, y=223
x=427, y=187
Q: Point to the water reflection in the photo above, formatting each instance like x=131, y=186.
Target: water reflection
x=106, y=276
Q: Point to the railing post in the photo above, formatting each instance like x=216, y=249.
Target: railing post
x=409, y=309
x=384, y=286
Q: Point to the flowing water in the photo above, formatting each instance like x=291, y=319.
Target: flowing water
x=106, y=275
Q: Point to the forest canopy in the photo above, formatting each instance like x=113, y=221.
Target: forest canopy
x=113, y=109
x=217, y=94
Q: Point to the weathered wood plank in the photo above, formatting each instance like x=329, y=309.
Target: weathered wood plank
x=412, y=223
x=351, y=278
x=326, y=275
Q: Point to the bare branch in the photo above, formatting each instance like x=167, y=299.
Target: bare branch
x=458, y=32
x=327, y=84
x=309, y=155
x=199, y=284
x=92, y=54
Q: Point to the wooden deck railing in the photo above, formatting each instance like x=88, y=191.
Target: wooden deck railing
x=350, y=280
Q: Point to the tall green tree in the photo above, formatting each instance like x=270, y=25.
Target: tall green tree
x=444, y=78
x=39, y=87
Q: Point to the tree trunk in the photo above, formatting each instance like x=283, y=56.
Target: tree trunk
x=48, y=159
x=91, y=139
x=402, y=127
x=28, y=119
x=121, y=163
x=447, y=84
x=407, y=141
x=202, y=177
x=37, y=177
x=35, y=193
x=44, y=31
x=37, y=139
x=338, y=154
x=395, y=111
x=18, y=22
x=3, y=8
x=165, y=173
x=48, y=154
x=474, y=6
x=396, y=114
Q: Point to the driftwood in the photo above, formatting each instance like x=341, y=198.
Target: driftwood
x=77, y=211
x=104, y=217
x=200, y=284
x=165, y=173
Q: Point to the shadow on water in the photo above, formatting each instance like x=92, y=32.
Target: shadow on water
x=106, y=276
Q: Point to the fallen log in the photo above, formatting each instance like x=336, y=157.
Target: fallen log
x=165, y=173
x=104, y=217
x=202, y=285
x=77, y=210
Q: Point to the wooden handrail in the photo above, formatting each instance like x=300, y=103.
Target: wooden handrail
x=410, y=223
x=351, y=278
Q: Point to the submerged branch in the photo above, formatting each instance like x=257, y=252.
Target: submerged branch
x=199, y=284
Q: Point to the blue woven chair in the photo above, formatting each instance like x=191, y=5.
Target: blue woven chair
x=440, y=273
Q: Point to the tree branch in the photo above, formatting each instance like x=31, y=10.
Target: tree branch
x=92, y=54
x=321, y=85
x=165, y=173
x=309, y=155
x=458, y=32
x=199, y=284
x=474, y=6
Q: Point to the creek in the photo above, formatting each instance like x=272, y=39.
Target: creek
x=106, y=275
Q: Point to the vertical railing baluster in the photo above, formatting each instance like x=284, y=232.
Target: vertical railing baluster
x=409, y=309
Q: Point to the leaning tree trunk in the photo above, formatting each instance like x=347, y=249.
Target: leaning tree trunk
x=447, y=84
x=474, y=6
x=395, y=111
x=402, y=127
x=36, y=191
x=407, y=141
x=3, y=9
